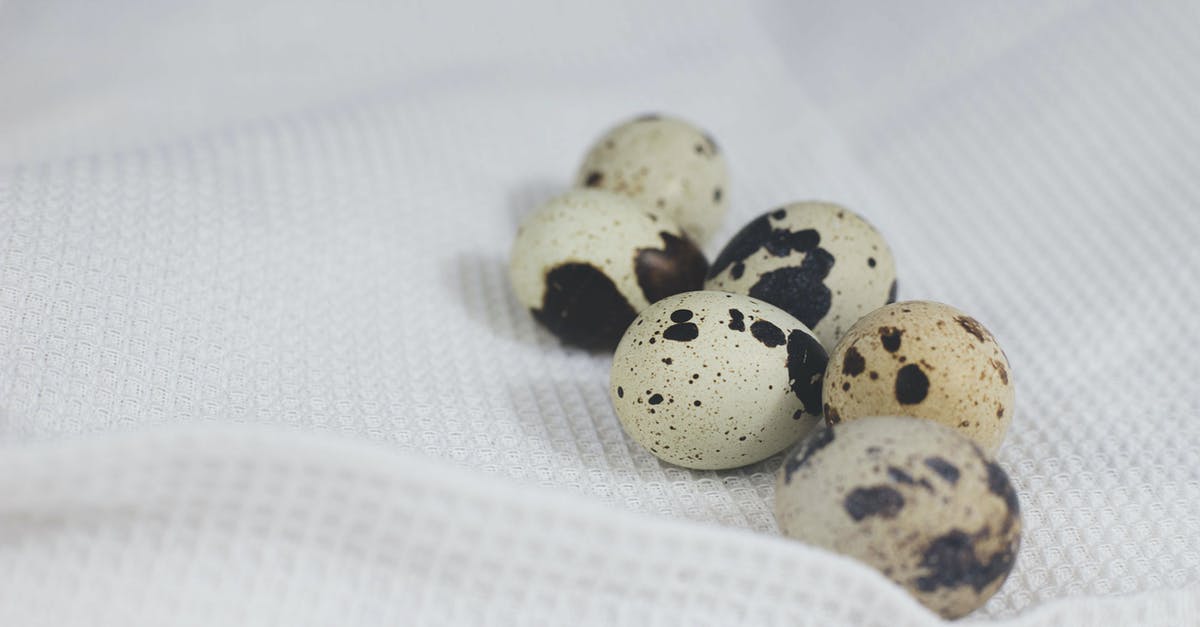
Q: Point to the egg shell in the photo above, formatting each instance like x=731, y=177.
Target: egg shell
x=712, y=380
x=920, y=503
x=668, y=164
x=922, y=359
x=820, y=262
x=587, y=261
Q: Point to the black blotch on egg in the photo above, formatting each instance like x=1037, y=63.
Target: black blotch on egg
x=799, y=290
x=883, y=501
x=677, y=267
x=890, y=338
x=783, y=242
x=806, y=363
x=999, y=485
x=684, y=332
x=899, y=475
x=594, y=179
x=582, y=306
x=681, y=315
x=853, y=362
x=951, y=561
x=911, y=385
x=767, y=333
x=737, y=320
x=742, y=246
x=802, y=453
x=943, y=468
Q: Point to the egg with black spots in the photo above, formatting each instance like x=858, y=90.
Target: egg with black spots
x=713, y=380
x=668, y=164
x=588, y=261
x=923, y=359
x=820, y=262
x=920, y=503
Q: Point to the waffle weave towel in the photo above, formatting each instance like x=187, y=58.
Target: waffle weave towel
x=260, y=364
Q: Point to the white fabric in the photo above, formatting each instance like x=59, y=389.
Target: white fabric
x=259, y=363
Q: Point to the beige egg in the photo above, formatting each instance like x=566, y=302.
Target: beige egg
x=915, y=500
x=922, y=359
x=668, y=164
x=715, y=380
x=818, y=261
x=589, y=260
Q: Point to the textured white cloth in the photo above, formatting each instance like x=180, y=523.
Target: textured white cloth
x=259, y=362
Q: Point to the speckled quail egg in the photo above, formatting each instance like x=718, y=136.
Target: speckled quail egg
x=818, y=261
x=589, y=260
x=668, y=164
x=920, y=503
x=922, y=359
x=713, y=380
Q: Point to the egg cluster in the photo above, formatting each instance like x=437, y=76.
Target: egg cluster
x=792, y=334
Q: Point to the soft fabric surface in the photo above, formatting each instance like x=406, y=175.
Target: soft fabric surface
x=259, y=361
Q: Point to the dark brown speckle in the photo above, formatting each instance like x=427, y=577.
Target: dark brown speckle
x=972, y=326
x=853, y=363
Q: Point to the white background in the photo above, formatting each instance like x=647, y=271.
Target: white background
x=259, y=362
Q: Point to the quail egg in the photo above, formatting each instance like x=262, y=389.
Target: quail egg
x=922, y=359
x=915, y=500
x=818, y=261
x=668, y=164
x=588, y=261
x=712, y=380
